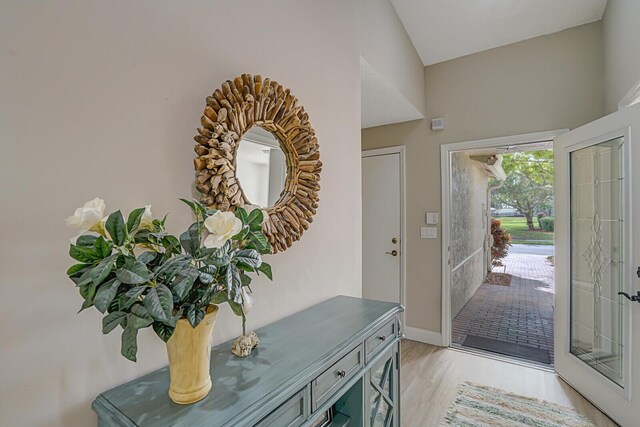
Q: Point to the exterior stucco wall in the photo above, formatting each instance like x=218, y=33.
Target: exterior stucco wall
x=468, y=229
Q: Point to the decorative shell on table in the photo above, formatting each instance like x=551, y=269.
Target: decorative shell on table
x=231, y=111
x=243, y=345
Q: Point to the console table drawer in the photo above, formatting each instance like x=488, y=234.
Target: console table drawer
x=323, y=387
x=291, y=413
x=375, y=342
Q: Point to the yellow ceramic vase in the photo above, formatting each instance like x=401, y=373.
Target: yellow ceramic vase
x=189, y=352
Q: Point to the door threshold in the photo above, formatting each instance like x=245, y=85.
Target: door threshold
x=502, y=358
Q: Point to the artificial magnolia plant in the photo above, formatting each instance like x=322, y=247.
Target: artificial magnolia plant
x=139, y=275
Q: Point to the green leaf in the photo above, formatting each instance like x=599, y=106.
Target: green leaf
x=129, y=347
x=195, y=315
x=86, y=240
x=112, y=320
x=77, y=268
x=147, y=257
x=106, y=293
x=131, y=296
x=133, y=272
x=142, y=236
x=242, y=234
x=139, y=317
x=133, y=221
x=116, y=228
x=249, y=257
x=88, y=292
x=256, y=217
x=103, y=269
x=159, y=303
x=233, y=280
x=102, y=248
x=218, y=298
x=163, y=331
x=266, y=269
x=245, y=279
x=209, y=269
x=236, y=308
x=257, y=237
x=171, y=244
x=196, y=208
x=242, y=215
x=173, y=266
x=184, y=282
x=85, y=278
x=83, y=254
x=190, y=239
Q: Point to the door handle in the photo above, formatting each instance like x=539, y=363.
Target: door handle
x=392, y=253
x=635, y=298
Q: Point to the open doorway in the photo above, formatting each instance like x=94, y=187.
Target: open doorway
x=499, y=278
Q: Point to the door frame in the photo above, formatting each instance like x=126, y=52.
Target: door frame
x=400, y=150
x=445, y=168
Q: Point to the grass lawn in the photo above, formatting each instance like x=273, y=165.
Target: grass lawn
x=520, y=233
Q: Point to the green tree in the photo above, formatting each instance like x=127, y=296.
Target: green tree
x=529, y=183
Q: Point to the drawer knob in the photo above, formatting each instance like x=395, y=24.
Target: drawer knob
x=342, y=374
x=382, y=338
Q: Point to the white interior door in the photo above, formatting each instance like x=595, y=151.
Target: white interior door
x=597, y=253
x=381, y=225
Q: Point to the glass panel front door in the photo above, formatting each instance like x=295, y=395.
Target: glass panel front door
x=597, y=246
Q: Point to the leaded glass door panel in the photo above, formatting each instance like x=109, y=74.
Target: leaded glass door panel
x=597, y=226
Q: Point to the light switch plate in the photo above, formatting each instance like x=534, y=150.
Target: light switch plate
x=428, y=232
x=432, y=217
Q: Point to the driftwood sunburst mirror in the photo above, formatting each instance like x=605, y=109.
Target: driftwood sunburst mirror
x=256, y=146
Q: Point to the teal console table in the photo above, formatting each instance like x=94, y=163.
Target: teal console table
x=341, y=355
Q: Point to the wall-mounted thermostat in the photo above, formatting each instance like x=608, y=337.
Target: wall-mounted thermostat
x=437, y=124
x=432, y=218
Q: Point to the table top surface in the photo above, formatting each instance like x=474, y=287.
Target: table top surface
x=297, y=344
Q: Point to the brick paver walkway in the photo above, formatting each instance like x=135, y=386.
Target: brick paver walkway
x=521, y=313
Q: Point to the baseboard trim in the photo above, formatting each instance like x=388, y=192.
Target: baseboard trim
x=422, y=335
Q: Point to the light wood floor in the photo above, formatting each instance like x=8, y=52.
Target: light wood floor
x=431, y=374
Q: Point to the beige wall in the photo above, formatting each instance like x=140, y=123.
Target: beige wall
x=621, y=34
x=385, y=45
x=549, y=82
x=103, y=99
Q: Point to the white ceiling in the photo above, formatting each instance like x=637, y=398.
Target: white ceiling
x=446, y=29
x=381, y=103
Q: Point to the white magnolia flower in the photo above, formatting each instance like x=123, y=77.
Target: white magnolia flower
x=146, y=220
x=250, y=208
x=247, y=301
x=222, y=226
x=88, y=217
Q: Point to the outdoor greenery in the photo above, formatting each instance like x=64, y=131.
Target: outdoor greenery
x=140, y=276
x=501, y=242
x=520, y=233
x=529, y=183
x=547, y=223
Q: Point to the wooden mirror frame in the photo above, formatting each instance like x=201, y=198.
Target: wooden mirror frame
x=231, y=111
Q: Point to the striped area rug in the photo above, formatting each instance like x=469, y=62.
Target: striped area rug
x=481, y=406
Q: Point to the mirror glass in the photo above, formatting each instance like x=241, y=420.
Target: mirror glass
x=261, y=167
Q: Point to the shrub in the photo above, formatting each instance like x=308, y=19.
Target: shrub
x=540, y=215
x=501, y=242
x=547, y=223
